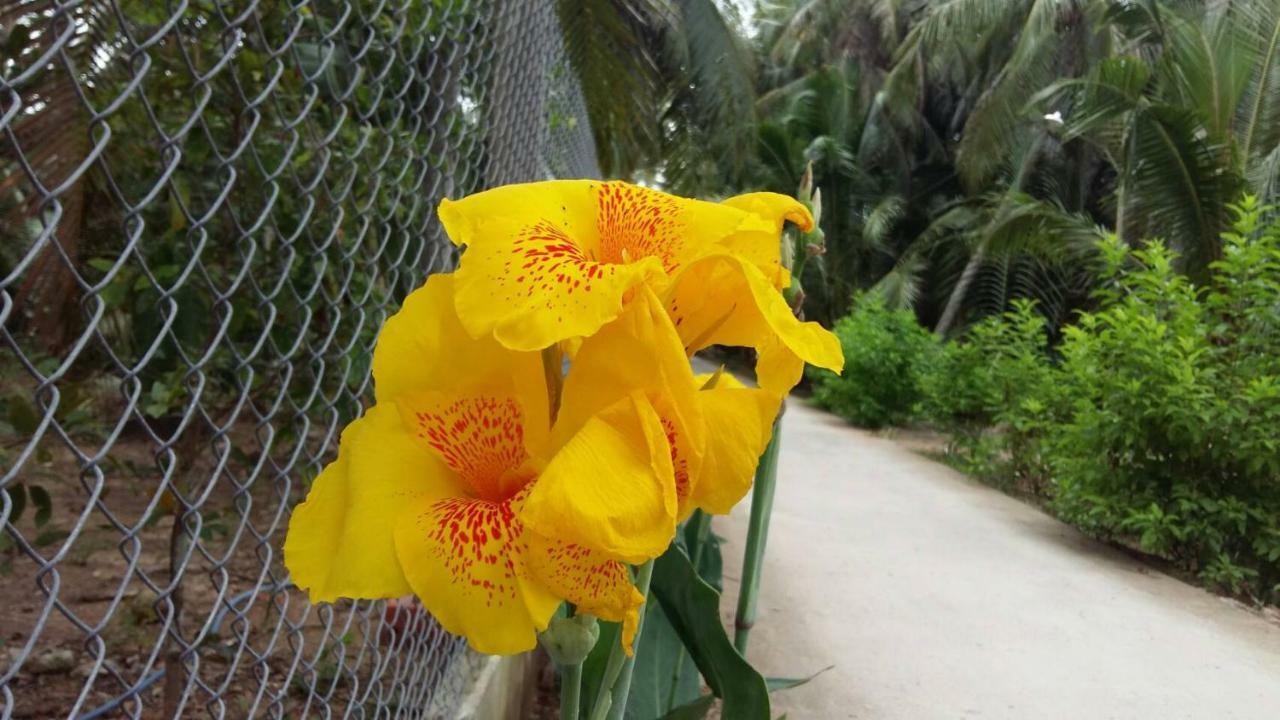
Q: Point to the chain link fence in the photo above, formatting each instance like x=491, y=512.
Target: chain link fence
x=207, y=209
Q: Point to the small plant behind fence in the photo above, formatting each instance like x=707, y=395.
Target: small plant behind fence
x=207, y=209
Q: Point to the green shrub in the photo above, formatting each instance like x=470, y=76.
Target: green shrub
x=885, y=352
x=1168, y=427
x=989, y=391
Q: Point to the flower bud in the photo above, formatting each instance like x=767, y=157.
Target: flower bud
x=805, y=191
x=568, y=640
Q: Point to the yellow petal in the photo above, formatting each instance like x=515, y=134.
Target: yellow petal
x=640, y=351
x=597, y=585
x=610, y=487
x=723, y=378
x=466, y=560
x=552, y=260
x=759, y=242
x=739, y=425
x=340, y=542
x=774, y=208
x=724, y=300
x=778, y=367
x=424, y=352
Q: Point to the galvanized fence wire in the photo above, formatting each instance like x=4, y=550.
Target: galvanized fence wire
x=207, y=209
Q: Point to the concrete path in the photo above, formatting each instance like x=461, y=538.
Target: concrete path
x=936, y=597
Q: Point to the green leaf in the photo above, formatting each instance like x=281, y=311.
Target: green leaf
x=701, y=542
x=655, y=687
x=693, y=608
x=43, y=503
x=695, y=710
x=100, y=264
x=782, y=683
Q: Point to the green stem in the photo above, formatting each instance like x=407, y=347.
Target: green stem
x=701, y=526
x=570, y=680
x=615, y=685
x=757, y=537
x=570, y=691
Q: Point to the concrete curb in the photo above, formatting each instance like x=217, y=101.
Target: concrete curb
x=484, y=687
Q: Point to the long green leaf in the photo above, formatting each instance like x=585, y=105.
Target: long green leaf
x=693, y=608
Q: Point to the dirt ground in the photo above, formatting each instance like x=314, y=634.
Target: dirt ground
x=113, y=576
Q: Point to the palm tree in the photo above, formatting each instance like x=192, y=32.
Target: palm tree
x=668, y=87
x=1188, y=115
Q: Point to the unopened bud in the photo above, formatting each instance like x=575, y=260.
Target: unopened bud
x=797, y=305
x=568, y=640
x=787, y=251
x=815, y=207
x=805, y=190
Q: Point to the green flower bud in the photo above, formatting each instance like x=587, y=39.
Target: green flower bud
x=568, y=640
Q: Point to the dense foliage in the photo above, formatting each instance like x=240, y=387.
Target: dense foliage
x=885, y=353
x=1167, y=409
x=972, y=152
x=1154, y=420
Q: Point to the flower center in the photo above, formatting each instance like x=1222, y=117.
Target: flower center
x=481, y=439
x=635, y=223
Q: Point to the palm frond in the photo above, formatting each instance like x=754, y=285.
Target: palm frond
x=1258, y=120
x=1206, y=70
x=1176, y=182
x=1264, y=177
x=881, y=219
x=1037, y=58
x=609, y=44
x=902, y=286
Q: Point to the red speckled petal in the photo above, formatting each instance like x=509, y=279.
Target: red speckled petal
x=480, y=438
x=554, y=260
x=465, y=559
x=597, y=585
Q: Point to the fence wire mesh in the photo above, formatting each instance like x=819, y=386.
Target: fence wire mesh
x=207, y=209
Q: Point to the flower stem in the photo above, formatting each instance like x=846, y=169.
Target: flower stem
x=570, y=691
x=615, y=686
x=570, y=680
x=757, y=537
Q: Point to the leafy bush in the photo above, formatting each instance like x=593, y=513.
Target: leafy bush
x=885, y=353
x=1159, y=423
x=988, y=391
x=1171, y=407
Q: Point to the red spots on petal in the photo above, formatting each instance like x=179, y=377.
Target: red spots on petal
x=480, y=438
x=544, y=265
x=635, y=222
x=679, y=463
x=582, y=576
x=480, y=546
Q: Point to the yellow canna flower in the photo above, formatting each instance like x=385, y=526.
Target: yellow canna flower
x=431, y=486
x=553, y=261
x=715, y=435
